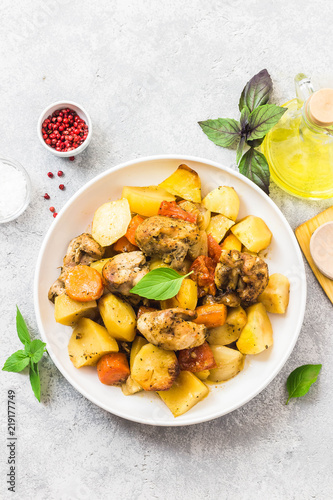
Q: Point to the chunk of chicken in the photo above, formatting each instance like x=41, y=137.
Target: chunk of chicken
x=239, y=274
x=230, y=299
x=124, y=271
x=81, y=250
x=169, y=239
x=172, y=329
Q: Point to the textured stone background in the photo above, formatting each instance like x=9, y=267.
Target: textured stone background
x=147, y=72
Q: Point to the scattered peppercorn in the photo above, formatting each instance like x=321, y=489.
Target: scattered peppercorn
x=62, y=187
x=50, y=174
x=60, y=173
x=72, y=158
x=64, y=130
x=52, y=209
x=55, y=214
x=46, y=196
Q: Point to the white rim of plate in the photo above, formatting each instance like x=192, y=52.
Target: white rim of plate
x=233, y=407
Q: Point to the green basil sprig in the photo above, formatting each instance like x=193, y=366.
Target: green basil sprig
x=159, y=284
x=301, y=379
x=256, y=119
x=31, y=355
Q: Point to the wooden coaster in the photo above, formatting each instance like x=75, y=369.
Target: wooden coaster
x=303, y=234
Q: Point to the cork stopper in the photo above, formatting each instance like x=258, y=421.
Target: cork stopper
x=320, y=107
x=321, y=248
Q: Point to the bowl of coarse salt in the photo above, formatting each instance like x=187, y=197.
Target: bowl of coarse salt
x=15, y=189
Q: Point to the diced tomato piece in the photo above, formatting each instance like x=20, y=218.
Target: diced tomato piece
x=132, y=227
x=197, y=359
x=171, y=209
x=203, y=274
x=214, y=249
x=123, y=245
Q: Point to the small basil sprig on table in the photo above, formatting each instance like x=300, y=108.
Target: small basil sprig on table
x=301, y=379
x=31, y=355
x=256, y=119
x=159, y=284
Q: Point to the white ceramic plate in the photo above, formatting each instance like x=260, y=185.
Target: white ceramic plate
x=283, y=256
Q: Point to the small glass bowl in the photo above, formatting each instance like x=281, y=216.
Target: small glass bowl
x=26, y=200
x=82, y=114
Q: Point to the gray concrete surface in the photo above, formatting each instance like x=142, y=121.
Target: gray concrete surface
x=147, y=72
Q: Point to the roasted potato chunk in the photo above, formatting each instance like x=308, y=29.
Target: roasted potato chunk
x=186, y=392
x=231, y=330
x=275, y=297
x=136, y=346
x=89, y=342
x=185, y=183
x=99, y=264
x=219, y=226
x=146, y=201
x=231, y=243
x=186, y=298
x=155, y=369
x=118, y=316
x=229, y=363
x=68, y=311
x=111, y=222
x=253, y=233
x=130, y=387
x=257, y=334
x=223, y=200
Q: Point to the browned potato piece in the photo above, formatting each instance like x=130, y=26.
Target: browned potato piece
x=68, y=311
x=275, y=297
x=232, y=328
x=186, y=298
x=186, y=392
x=219, y=226
x=155, y=369
x=257, y=334
x=223, y=200
x=229, y=363
x=89, y=342
x=185, y=183
x=253, y=233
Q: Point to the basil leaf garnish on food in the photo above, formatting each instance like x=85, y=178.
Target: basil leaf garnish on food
x=159, y=284
x=301, y=379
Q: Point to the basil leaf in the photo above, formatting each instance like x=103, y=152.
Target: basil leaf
x=244, y=119
x=240, y=148
x=16, y=362
x=262, y=119
x=222, y=131
x=34, y=379
x=37, y=349
x=21, y=327
x=255, y=167
x=257, y=91
x=159, y=284
x=301, y=379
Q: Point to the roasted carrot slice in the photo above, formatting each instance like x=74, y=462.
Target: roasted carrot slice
x=211, y=315
x=83, y=283
x=123, y=245
x=132, y=227
x=171, y=209
x=113, y=369
x=197, y=359
x=214, y=249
